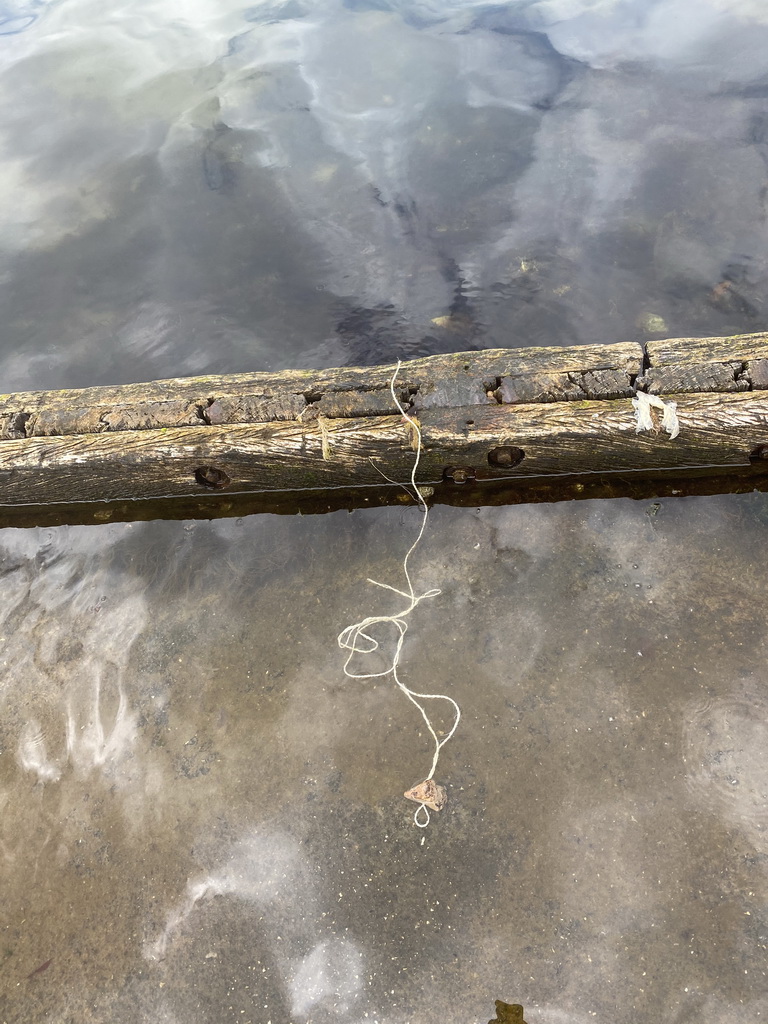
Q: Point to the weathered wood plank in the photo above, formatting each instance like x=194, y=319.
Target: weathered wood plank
x=463, y=378
x=566, y=438
x=530, y=421
x=691, y=365
x=683, y=351
x=597, y=437
x=695, y=378
x=564, y=387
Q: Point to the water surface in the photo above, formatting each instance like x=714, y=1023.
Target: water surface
x=202, y=818
x=225, y=188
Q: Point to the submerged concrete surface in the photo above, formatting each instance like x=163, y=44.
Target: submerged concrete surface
x=202, y=819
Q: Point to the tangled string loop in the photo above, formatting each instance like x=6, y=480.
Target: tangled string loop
x=357, y=638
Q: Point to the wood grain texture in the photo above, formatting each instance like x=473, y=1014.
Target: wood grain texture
x=693, y=378
x=683, y=351
x=691, y=365
x=456, y=379
x=558, y=439
x=597, y=437
x=519, y=416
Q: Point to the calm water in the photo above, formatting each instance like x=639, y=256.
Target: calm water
x=201, y=818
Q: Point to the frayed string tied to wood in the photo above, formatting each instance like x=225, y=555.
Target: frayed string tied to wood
x=645, y=404
x=357, y=639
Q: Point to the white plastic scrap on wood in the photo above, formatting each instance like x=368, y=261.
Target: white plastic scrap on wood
x=644, y=403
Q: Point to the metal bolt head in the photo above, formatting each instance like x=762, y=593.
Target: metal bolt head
x=460, y=474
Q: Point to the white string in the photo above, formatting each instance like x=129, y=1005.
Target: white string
x=357, y=640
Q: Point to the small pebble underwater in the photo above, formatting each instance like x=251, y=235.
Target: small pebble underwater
x=203, y=817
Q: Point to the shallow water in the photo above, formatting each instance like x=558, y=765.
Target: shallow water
x=202, y=819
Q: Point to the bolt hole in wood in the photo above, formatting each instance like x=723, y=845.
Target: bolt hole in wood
x=759, y=454
x=459, y=474
x=505, y=456
x=209, y=476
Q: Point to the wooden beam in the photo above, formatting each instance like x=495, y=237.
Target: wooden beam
x=525, y=423
x=458, y=379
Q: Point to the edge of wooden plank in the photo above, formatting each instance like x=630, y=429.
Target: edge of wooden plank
x=637, y=486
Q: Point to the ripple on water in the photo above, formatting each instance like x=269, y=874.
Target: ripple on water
x=725, y=741
x=33, y=753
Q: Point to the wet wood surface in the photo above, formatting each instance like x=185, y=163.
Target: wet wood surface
x=691, y=365
x=532, y=420
x=457, y=379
